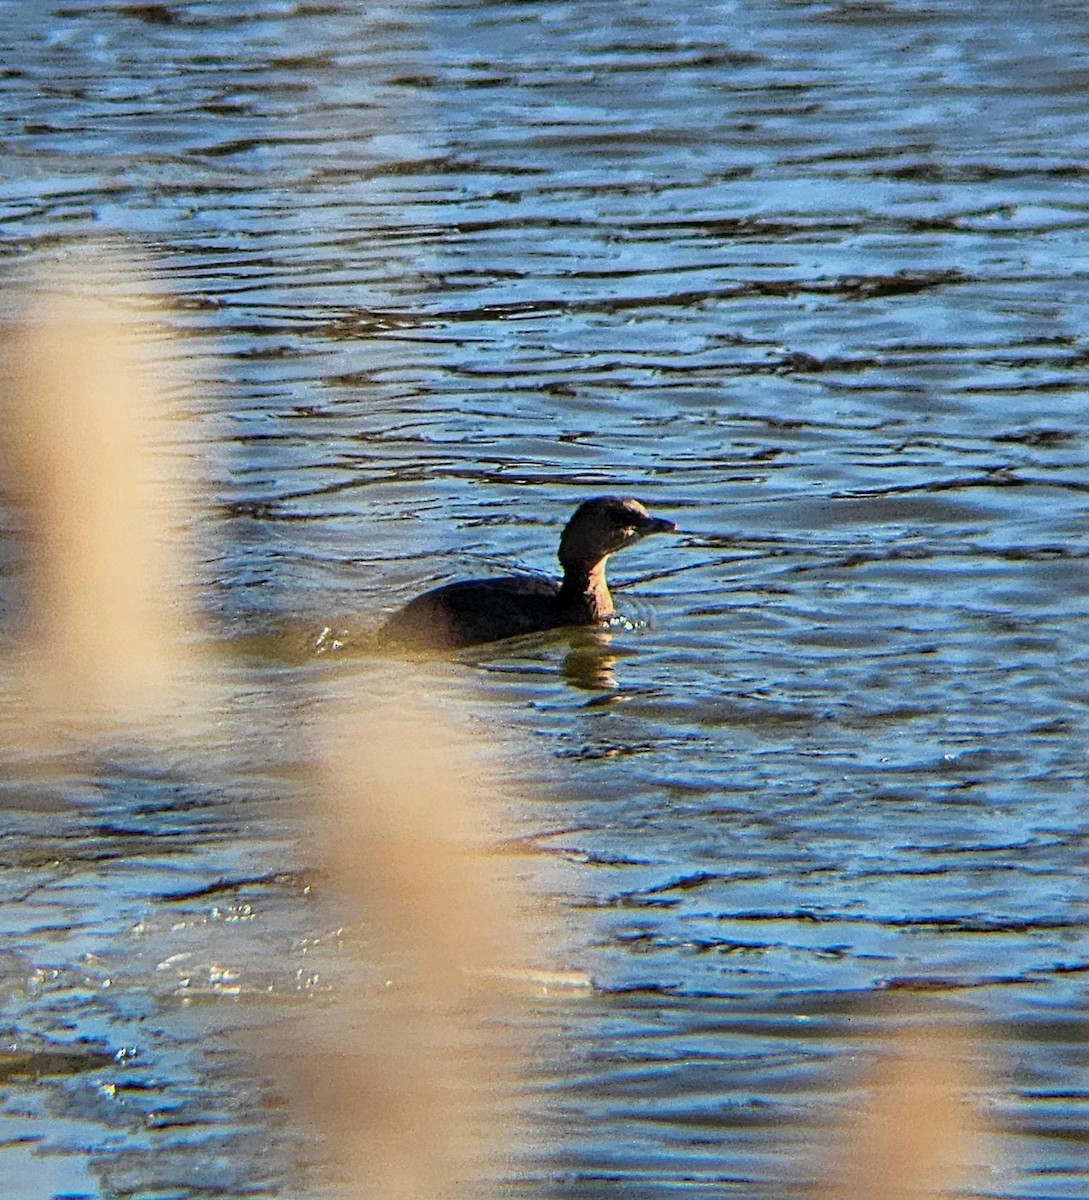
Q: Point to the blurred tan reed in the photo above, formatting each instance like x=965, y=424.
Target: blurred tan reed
x=916, y=1133
x=419, y=1094
x=98, y=498
x=413, y=1083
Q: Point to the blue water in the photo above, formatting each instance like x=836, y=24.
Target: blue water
x=807, y=278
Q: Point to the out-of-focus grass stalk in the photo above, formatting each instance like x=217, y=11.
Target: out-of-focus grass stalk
x=915, y=1134
x=99, y=500
x=413, y=1087
x=419, y=1093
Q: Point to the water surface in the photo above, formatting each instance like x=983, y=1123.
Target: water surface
x=807, y=278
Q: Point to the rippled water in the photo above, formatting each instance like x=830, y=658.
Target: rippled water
x=807, y=278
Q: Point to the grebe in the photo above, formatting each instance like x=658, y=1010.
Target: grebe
x=486, y=610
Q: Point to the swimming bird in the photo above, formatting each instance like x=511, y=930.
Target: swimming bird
x=475, y=611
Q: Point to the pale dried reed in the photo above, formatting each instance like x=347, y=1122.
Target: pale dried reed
x=418, y=1091
x=916, y=1133
x=412, y=1083
x=98, y=499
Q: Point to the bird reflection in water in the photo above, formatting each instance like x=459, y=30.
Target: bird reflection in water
x=589, y=663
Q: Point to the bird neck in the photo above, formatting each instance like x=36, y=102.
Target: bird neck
x=584, y=593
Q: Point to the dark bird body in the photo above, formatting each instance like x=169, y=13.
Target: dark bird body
x=486, y=610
